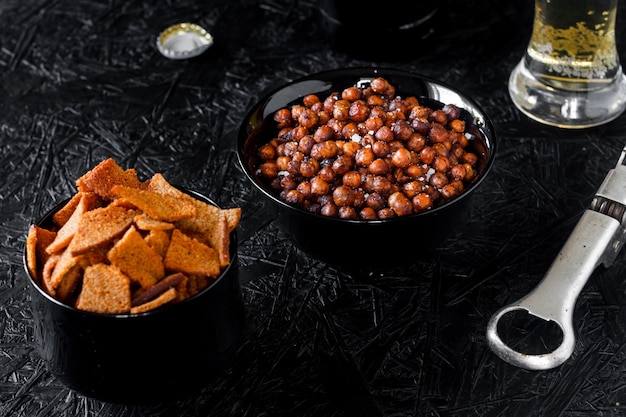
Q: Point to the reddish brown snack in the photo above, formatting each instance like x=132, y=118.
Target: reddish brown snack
x=133, y=256
x=37, y=241
x=158, y=206
x=105, y=290
x=190, y=256
x=107, y=174
x=65, y=234
x=373, y=142
x=117, y=237
x=100, y=226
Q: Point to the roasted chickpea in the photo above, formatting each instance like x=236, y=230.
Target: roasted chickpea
x=310, y=100
x=351, y=93
x=438, y=116
x=375, y=201
x=327, y=174
x=348, y=213
x=400, y=204
x=379, y=85
x=469, y=158
x=306, y=144
x=323, y=133
x=309, y=168
x=379, y=167
x=458, y=172
x=294, y=197
x=267, y=152
x=319, y=186
x=282, y=162
x=441, y=163
x=268, y=170
x=449, y=191
x=421, y=202
x=427, y=155
x=401, y=158
x=329, y=210
x=351, y=179
x=343, y=196
x=368, y=213
x=350, y=130
x=305, y=189
x=341, y=110
x=384, y=133
x=412, y=188
x=283, y=118
x=457, y=125
x=375, y=100
x=359, y=112
x=342, y=164
x=438, y=180
x=414, y=171
x=386, y=213
x=364, y=157
x=416, y=142
x=288, y=182
x=381, y=149
x=308, y=118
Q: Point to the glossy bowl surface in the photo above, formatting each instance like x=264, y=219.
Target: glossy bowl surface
x=359, y=242
x=156, y=356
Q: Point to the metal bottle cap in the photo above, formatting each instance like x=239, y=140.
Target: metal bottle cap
x=184, y=40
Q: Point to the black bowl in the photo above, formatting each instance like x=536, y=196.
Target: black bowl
x=359, y=242
x=157, y=356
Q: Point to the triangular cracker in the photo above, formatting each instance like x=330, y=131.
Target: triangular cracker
x=100, y=226
x=158, y=206
x=104, y=176
x=191, y=257
x=88, y=201
x=105, y=290
x=136, y=259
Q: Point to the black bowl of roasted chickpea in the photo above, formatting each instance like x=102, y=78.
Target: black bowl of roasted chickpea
x=366, y=166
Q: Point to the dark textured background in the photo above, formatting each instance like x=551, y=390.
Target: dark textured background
x=81, y=80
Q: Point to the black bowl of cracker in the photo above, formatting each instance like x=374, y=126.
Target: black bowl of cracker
x=135, y=291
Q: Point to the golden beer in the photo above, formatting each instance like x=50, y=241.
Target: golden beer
x=571, y=75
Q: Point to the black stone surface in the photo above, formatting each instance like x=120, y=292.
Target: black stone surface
x=82, y=80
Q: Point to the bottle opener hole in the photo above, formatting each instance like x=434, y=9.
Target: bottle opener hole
x=529, y=334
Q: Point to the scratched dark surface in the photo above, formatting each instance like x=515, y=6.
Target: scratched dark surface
x=81, y=80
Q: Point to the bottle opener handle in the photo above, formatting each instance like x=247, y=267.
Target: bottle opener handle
x=596, y=239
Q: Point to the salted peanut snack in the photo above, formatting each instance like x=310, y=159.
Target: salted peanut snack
x=366, y=153
x=125, y=246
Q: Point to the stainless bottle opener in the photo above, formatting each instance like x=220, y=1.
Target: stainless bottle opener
x=596, y=239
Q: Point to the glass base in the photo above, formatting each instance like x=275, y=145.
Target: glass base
x=566, y=108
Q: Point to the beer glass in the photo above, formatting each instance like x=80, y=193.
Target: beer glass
x=570, y=75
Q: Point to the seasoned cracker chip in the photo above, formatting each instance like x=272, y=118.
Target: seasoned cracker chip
x=88, y=201
x=132, y=255
x=145, y=222
x=46, y=274
x=233, y=216
x=158, y=206
x=144, y=295
x=100, y=226
x=63, y=215
x=105, y=290
x=189, y=256
x=37, y=241
x=66, y=266
x=162, y=299
x=158, y=240
x=104, y=176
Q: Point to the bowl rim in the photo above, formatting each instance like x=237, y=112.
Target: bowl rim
x=481, y=121
x=46, y=217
